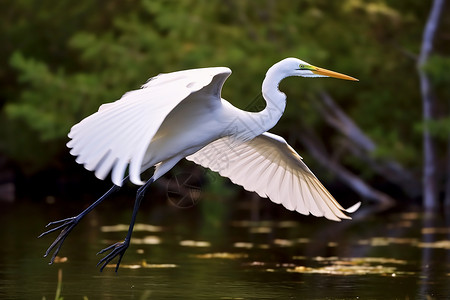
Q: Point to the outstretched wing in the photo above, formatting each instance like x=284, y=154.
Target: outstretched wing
x=119, y=134
x=270, y=167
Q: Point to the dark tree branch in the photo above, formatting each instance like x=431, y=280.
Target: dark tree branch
x=338, y=119
x=353, y=181
x=360, y=145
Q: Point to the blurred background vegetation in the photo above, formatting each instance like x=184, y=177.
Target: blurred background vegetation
x=62, y=59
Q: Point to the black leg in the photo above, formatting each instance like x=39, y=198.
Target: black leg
x=66, y=225
x=118, y=249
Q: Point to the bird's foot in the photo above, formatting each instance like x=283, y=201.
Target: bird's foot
x=117, y=249
x=66, y=226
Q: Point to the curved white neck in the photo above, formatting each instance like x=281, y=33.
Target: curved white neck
x=247, y=125
x=275, y=99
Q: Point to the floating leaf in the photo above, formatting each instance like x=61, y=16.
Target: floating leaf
x=191, y=243
x=355, y=260
x=160, y=266
x=329, y=258
x=223, y=255
x=299, y=257
x=345, y=270
x=350, y=266
x=271, y=224
x=386, y=241
x=257, y=263
x=380, y=260
x=144, y=264
x=287, y=224
x=444, y=244
x=260, y=229
x=433, y=230
x=286, y=265
x=137, y=227
x=283, y=243
x=147, y=240
x=243, y=245
x=303, y=240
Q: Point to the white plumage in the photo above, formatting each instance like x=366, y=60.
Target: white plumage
x=120, y=133
x=270, y=167
x=182, y=114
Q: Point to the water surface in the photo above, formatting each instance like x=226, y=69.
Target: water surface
x=216, y=250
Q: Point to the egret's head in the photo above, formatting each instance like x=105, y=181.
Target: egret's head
x=296, y=67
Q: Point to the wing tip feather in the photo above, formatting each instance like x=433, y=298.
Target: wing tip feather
x=350, y=210
x=353, y=208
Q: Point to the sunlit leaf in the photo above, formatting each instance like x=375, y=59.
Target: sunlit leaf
x=445, y=244
x=137, y=227
x=144, y=264
x=243, y=245
x=330, y=258
x=299, y=257
x=260, y=230
x=222, y=255
x=380, y=260
x=124, y=266
x=435, y=230
x=191, y=243
x=160, y=266
x=283, y=243
x=350, y=266
x=147, y=240
x=386, y=241
x=303, y=240
x=286, y=265
x=266, y=223
x=345, y=270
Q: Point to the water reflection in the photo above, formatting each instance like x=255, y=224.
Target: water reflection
x=179, y=254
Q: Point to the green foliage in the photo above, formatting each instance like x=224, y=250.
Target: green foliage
x=439, y=128
x=438, y=67
x=40, y=110
x=66, y=59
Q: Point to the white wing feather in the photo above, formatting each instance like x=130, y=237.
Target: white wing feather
x=119, y=134
x=270, y=167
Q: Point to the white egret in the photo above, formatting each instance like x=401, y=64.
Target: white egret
x=182, y=115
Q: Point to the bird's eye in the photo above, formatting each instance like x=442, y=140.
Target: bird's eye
x=302, y=66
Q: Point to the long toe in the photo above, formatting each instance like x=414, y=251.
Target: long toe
x=66, y=228
x=117, y=249
x=113, y=246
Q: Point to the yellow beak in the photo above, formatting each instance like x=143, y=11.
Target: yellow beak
x=320, y=71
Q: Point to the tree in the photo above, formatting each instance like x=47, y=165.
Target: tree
x=430, y=161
